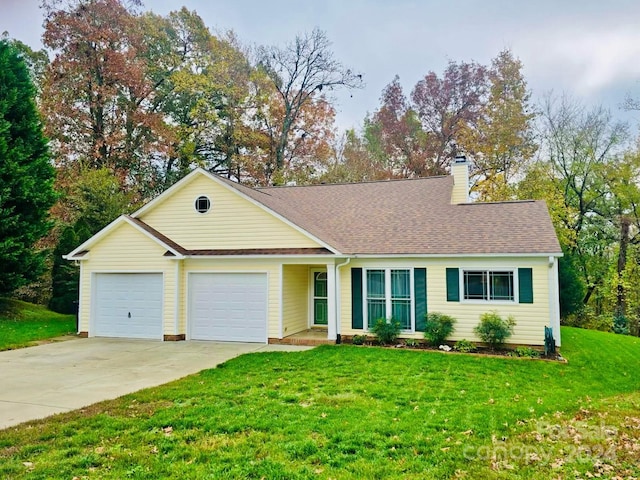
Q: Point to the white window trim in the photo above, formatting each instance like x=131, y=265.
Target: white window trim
x=195, y=200
x=516, y=283
x=387, y=296
x=311, y=320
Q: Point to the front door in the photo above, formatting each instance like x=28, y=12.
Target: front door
x=320, y=298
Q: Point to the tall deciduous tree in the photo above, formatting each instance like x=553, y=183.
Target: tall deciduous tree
x=501, y=141
x=395, y=135
x=301, y=71
x=97, y=97
x=580, y=145
x=26, y=176
x=447, y=106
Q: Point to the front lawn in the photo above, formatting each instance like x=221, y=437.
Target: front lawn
x=342, y=412
x=23, y=323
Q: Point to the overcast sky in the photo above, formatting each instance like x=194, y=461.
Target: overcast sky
x=589, y=48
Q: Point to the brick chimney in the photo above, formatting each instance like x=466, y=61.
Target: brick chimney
x=460, y=174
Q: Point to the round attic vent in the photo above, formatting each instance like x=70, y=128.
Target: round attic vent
x=203, y=204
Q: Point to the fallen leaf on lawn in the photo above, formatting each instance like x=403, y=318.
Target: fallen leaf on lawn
x=167, y=430
x=444, y=449
x=27, y=464
x=468, y=432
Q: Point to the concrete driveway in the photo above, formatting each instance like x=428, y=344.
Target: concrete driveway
x=39, y=381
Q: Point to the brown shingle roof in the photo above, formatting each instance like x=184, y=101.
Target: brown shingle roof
x=410, y=217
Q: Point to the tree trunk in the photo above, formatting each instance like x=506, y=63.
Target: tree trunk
x=621, y=304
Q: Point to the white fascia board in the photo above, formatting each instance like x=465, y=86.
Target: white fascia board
x=453, y=255
x=106, y=230
x=320, y=258
x=94, y=238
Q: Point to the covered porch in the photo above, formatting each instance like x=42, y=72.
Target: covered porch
x=308, y=305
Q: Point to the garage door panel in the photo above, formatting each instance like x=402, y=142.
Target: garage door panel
x=228, y=306
x=128, y=305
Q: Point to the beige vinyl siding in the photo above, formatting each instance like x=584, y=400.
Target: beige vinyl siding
x=127, y=250
x=233, y=222
x=295, y=299
x=271, y=268
x=531, y=318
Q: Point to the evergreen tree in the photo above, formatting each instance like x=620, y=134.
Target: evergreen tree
x=26, y=175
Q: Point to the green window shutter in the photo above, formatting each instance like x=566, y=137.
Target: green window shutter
x=420, y=291
x=356, y=298
x=453, y=285
x=525, y=285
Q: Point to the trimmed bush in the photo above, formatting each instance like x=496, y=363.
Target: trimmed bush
x=464, y=346
x=358, y=339
x=438, y=327
x=526, y=352
x=493, y=329
x=386, y=331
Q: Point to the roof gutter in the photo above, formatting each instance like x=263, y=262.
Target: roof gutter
x=338, y=294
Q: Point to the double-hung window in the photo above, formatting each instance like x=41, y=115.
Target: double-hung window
x=488, y=285
x=388, y=295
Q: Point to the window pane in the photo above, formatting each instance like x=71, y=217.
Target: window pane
x=401, y=311
x=375, y=284
x=501, y=285
x=320, y=284
x=376, y=309
x=475, y=285
x=400, y=284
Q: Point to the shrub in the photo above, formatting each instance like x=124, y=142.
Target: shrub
x=411, y=342
x=526, y=352
x=386, y=331
x=620, y=324
x=438, y=327
x=493, y=329
x=359, y=339
x=464, y=346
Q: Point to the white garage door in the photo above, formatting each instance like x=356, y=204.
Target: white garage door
x=229, y=307
x=128, y=305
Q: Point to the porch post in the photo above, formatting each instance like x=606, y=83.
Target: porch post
x=332, y=326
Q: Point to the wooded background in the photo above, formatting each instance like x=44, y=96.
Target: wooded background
x=131, y=101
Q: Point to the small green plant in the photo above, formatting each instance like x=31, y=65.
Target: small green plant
x=358, y=339
x=386, y=331
x=526, y=352
x=494, y=330
x=620, y=324
x=464, y=346
x=438, y=327
x=411, y=342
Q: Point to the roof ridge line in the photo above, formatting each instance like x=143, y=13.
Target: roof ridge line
x=365, y=182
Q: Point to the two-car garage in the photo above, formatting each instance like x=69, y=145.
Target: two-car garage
x=221, y=306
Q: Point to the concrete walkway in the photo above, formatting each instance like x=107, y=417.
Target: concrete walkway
x=57, y=377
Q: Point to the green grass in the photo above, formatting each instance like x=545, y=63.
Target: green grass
x=338, y=412
x=22, y=324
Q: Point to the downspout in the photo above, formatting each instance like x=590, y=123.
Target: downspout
x=338, y=297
